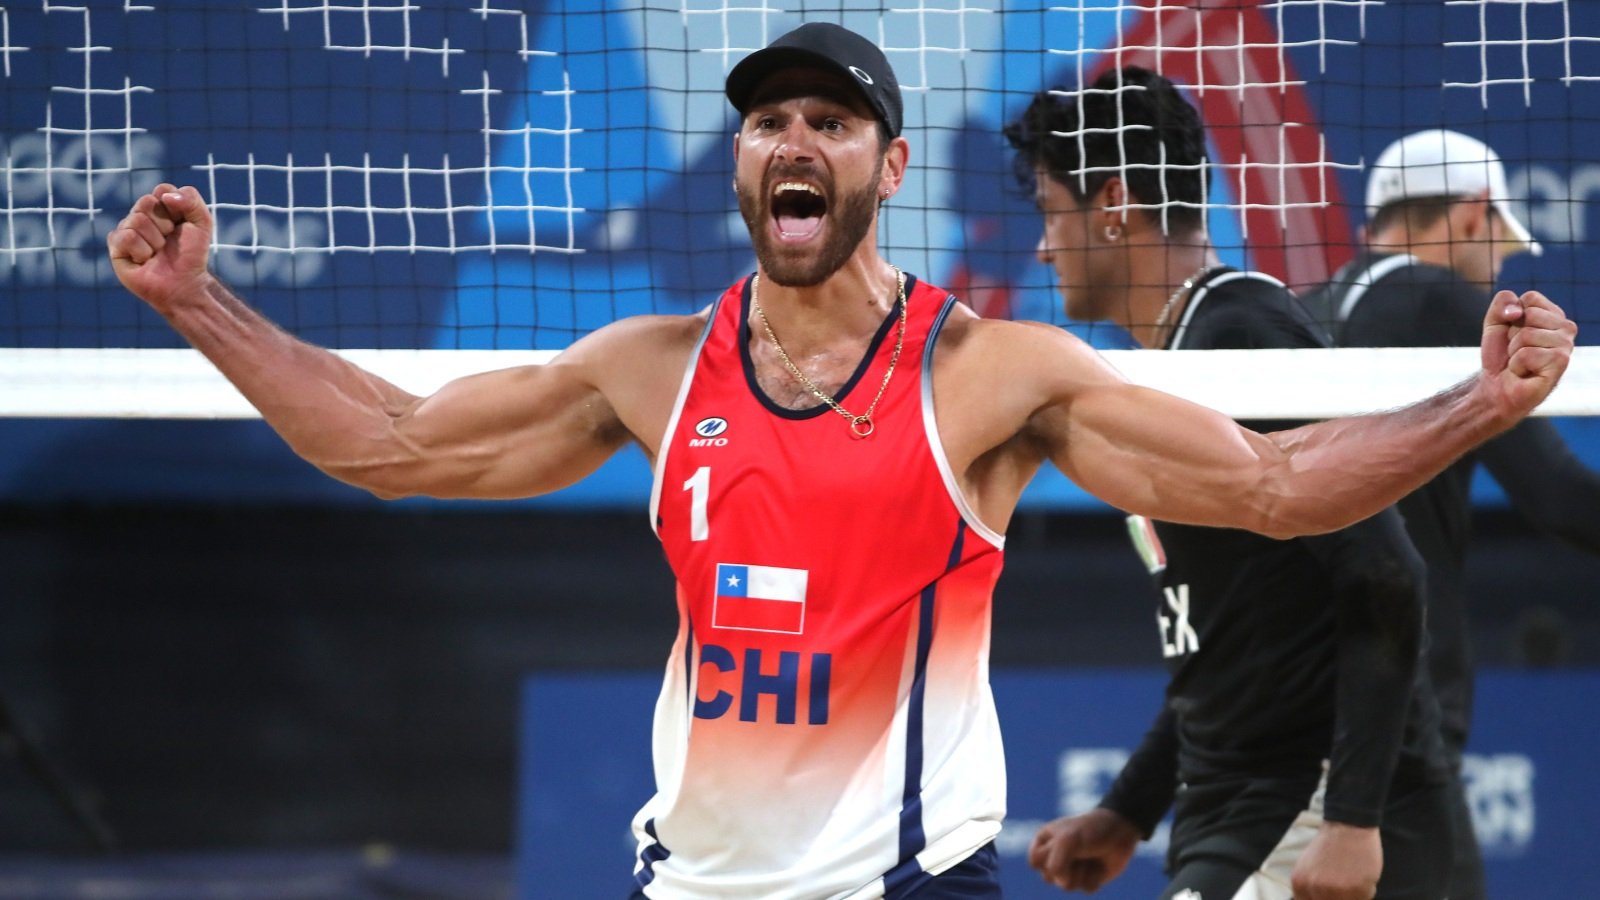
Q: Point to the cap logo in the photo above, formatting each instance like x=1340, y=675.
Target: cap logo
x=861, y=75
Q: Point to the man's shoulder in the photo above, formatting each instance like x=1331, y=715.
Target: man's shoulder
x=966, y=331
x=639, y=341
x=1239, y=291
x=1247, y=282
x=1393, y=278
x=1372, y=270
x=1251, y=310
x=1012, y=353
x=1019, y=357
x=1435, y=279
x=1419, y=304
x=1393, y=299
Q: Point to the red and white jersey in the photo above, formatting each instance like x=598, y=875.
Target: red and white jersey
x=825, y=729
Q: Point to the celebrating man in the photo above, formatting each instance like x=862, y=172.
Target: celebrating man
x=838, y=448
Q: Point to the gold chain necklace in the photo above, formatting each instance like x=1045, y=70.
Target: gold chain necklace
x=861, y=425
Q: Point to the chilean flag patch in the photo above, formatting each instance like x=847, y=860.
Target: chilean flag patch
x=760, y=598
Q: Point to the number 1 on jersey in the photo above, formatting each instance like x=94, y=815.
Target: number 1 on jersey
x=699, y=485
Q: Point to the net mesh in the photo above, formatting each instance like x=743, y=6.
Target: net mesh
x=473, y=176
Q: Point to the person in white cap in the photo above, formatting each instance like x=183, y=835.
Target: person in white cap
x=1440, y=226
x=838, y=448
x=1441, y=196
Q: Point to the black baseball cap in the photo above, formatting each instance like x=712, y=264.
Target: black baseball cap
x=823, y=45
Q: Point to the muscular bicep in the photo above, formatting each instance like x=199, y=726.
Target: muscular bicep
x=529, y=430
x=1160, y=456
x=1138, y=449
x=510, y=433
x=1150, y=453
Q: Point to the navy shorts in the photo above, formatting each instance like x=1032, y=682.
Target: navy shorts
x=975, y=878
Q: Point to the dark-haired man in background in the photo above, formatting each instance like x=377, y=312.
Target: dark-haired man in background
x=1298, y=736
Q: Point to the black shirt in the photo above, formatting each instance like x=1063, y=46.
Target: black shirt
x=1282, y=653
x=1397, y=301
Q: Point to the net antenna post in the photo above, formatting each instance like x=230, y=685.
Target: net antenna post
x=73, y=799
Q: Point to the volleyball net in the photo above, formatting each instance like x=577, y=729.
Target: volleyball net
x=441, y=188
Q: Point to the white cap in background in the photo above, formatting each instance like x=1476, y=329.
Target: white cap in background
x=1440, y=163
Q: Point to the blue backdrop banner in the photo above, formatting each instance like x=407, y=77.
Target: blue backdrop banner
x=585, y=770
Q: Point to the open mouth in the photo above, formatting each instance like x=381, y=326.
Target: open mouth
x=798, y=209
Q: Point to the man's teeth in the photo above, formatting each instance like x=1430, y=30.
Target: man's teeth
x=796, y=186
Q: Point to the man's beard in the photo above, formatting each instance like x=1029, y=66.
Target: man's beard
x=849, y=219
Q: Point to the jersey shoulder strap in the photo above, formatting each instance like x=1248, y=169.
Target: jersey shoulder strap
x=1220, y=277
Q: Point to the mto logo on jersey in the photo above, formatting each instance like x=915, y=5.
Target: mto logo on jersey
x=710, y=431
x=760, y=598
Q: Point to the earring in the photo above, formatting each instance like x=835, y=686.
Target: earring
x=736, y=185
x=885, y=193
x=1113, y=233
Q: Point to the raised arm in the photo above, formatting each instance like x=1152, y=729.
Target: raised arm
x=515, y=432
x=1150, y=453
